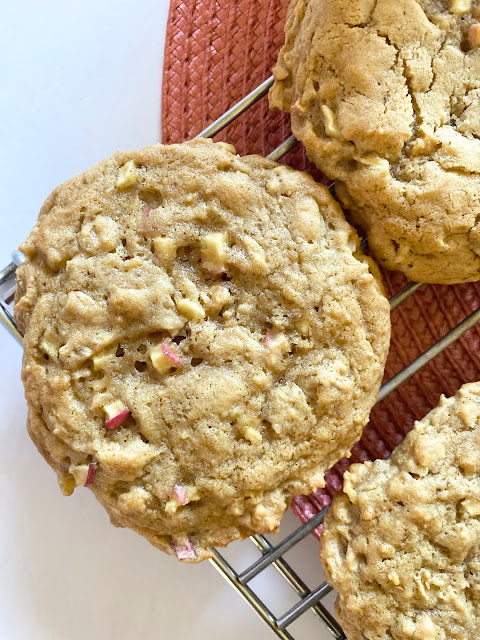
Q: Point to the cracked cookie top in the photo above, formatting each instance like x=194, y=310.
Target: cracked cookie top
x=202, y=340
x=385, y=97
x=401, y=544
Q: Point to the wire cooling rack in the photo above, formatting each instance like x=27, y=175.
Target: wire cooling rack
x=310, y=599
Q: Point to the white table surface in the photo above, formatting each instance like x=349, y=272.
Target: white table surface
x=79, y=81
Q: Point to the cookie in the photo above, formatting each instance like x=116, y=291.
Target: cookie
x=401, y=544
x=385, y=96
x=202, y=340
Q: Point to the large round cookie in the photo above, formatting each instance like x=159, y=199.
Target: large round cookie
x=401, y=544
x=385, y=97
x=203, y=340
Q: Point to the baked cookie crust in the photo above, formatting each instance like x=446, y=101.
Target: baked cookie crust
x=202, y=340
x=385, y=96
x=401, y=543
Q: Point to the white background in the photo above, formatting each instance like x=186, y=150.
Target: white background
x=79, y=81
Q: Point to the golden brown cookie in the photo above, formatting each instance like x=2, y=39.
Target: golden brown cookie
x=401, y=544
x=203, y=339
x=385, y=96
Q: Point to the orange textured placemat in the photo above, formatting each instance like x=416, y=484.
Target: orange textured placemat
x=216, y=52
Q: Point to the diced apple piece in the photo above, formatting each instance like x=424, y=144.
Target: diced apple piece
x=472, y=507
x=190, y=309
x=179, y=493
x=133, y=263
x=79, y=472
x=214, y=252
x=50, y=344
x=329, y=124
x=277, y=341
x=171, y=507
x=92, y=470
x=375, y=161
x=112, y=409
x=164, y=358
x=117, y=420
x=474, y=34
x=127, y=176
x=269, y=338
x=164, y=248
x=182, y=495
x=184, y=551
x=460, y=7
x=253, y=435
x=116, y=413
x=101, y=360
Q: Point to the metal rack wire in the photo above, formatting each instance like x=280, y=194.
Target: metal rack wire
x=271, y=555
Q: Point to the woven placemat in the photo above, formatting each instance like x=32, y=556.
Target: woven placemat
x=216, y=52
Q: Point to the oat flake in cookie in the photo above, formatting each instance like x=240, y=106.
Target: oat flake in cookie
x=201, y=342
x=401, y=544
x=385, y=96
